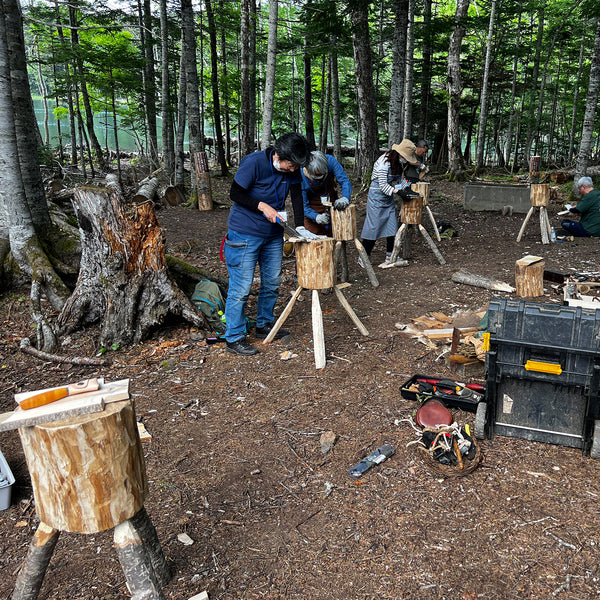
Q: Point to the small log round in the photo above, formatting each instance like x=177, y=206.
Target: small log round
x=540, y=194
x=529, y=277
x=87, y=472
x=203, y=183
x=314, y=262
x=422, y=188
x=411, y=212
x=343, y=224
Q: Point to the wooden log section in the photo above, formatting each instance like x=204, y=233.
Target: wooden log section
x=146, y=191
x=87, y=472
x=343, y=223
x=411, y=212
x=539, y=194
x=31, y=576
x=422, y=188
x=535, y=163
x=529, y=276
x=205, y=201
x=314, y=262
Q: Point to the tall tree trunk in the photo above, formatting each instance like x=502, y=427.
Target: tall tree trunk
x=395, y=117
x=150, y=83
x=269, y=97
x=181, y=119
x=308, y=108
x=325, y=133
x=456, y=164
x=253, y=75
x=188, y=51
x=89, y=115
x=409, y=77
x=214, y=78
x=584, y=44
x=532, y=88
x=168, y=149
x=426, y=71
x=225, y=87
x=513, y=95
x=483, y=108
x=367, y=108
x=591, y=103
x=335, y=102
x=246, y=143
x=26, y=127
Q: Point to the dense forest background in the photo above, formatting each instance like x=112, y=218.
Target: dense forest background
x=488, y=83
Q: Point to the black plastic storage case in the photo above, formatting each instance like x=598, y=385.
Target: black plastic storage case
x=543, y=374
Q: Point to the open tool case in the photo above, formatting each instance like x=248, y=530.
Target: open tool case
x=454, y=394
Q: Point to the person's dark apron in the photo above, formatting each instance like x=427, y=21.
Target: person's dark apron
x=326, y=188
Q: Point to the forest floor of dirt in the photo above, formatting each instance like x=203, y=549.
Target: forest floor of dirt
x=235, y=460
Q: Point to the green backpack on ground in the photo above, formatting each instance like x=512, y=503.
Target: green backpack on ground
x=208, y=298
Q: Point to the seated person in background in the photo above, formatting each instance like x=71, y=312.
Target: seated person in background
x=319, y=179
x=589, y=209
x=413, y=166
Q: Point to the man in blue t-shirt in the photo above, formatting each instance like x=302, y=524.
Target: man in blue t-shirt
x=259, y=189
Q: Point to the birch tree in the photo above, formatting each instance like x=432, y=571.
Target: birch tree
x=591, y=103
x=168, y=149
x=395, y=113
x=269, y=93
x=409, y=77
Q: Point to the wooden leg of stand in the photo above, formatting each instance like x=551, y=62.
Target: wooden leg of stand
x=366, y=262
x=350, y=311
x=318, y=336
x=544, y=225
x=522, y=230
x=398, y=242
x=30, y=578
x=147, y=532
x=284, y=315
x=434, y=224
x=136, y=564
x=344, y=257
x=432, y=245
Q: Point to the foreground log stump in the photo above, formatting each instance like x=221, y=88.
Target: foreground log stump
x=529, y=276
x=87, y=472
x=88, y=475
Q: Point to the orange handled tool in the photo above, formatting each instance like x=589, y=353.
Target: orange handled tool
x=88, y=385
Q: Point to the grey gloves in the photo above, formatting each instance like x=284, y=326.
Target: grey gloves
x=341, y=203
x=323, y=218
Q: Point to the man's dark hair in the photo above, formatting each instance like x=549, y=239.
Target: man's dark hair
x=423, y=144
x=293, y=147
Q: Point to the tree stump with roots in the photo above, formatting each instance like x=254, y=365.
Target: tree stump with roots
x=123, y=280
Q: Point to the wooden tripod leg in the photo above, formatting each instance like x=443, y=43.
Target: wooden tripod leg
x=147, y=532
x=544, y=225
x=350, y=311
x=432, y=245
x=337, y=258
x=522, y=230
x=136, y=564
x=398, y=242
x=30, y=578
x=318, y=336
x=344, y=257
x=367, y=263
x=434, y=224
x=283, y=316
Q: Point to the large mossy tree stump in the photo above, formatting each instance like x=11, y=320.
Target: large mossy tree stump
x=123, y=279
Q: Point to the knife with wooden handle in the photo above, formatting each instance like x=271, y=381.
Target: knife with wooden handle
x=87, y=385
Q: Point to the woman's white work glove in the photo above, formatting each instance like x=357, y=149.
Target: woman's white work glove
x=323, y=218
x=305, y=233
x=341, y=203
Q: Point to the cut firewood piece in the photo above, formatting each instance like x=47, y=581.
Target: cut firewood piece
x=468, y=278
x=439, y=316
x=448, y=333
x=529, y=276
x=343, y=224
x=430, y=323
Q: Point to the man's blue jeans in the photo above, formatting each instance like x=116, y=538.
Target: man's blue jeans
x=242, y=253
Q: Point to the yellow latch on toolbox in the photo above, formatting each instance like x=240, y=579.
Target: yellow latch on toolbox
x=486, y=342
x=543, y=367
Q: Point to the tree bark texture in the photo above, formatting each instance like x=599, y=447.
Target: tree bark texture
x=343, y=223
x=369, y=143
x=149, y=82
x=314, y=262
x=168, y=147
x=409, y=76
x=395, y=122
x=529, y=277
x=456, y=164
x=269, y=93
x=123, y=279
x=246, y=134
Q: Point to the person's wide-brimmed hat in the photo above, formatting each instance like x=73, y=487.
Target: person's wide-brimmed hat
x=406, y=149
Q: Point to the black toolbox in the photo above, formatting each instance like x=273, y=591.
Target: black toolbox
x=542, y=374
x=452, y=393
